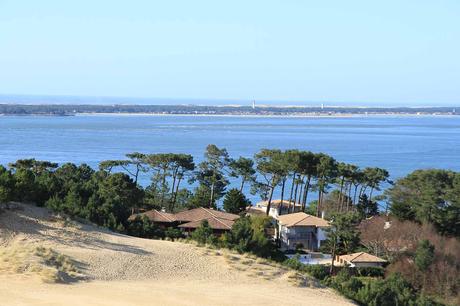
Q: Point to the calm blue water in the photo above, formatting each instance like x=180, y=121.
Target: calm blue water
x=399, y=144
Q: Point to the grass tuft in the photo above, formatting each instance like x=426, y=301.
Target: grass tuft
x=46, y=263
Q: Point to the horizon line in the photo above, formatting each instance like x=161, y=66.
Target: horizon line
x=232, y=101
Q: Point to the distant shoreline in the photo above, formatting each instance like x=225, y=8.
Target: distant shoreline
x=351, y=115
x=223, y=111
x=265, y=116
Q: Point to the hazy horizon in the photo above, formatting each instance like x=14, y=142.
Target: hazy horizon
x=107, y=100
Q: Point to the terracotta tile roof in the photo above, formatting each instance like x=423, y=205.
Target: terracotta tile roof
x=201, y=213
x=361, y=257
x=302, y=219
x=214, y=223
x=276, y=203
x=155, y=216
x=255, y=211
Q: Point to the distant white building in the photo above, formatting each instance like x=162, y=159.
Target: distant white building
x=277, y=208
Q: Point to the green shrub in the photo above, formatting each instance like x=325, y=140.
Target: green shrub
x=294, y=263
x=388, y=292
x=235, y=201
x=144, y=228
x=343, y=275
x=370, y=271
x=173, y=233
x=204, y=234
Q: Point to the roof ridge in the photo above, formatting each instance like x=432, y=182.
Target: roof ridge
x=164, y=214
x=218, y=220
x=305, y=217
x=359, y=254
x=208, y=210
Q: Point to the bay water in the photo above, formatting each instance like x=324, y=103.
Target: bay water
x=399, y=144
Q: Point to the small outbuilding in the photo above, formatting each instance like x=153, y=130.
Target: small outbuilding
x=360, y=259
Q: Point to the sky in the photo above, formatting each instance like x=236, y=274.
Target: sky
x=340, y=52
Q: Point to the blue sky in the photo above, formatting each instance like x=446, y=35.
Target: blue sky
x=358, y=52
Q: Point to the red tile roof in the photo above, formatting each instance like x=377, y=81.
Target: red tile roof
x=201, y=213
x=214, y=223
x=361, y=257
x=155, y=216
x=302, y=219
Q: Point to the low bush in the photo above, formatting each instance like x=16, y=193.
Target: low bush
x=319, y=272
x=173, y=233
x=370, y=271
x=394, y=290
x=204, y=234
x=143, y=228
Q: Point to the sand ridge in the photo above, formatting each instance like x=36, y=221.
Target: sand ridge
x=124, y=270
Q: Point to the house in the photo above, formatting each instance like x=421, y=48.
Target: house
x=301, y=229
x=161, y=218
x=360, y=259
x=189, y=220
x=218, y=221
x=219, y=226
x=278, y=207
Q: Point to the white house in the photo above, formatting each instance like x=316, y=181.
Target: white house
x=278, y=208
x=301, y=229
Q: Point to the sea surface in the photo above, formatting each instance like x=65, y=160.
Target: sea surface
x=399, y=144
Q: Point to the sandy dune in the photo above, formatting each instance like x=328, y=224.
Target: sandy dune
x=120, y=270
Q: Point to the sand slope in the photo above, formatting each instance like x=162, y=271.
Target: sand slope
x=121, y=270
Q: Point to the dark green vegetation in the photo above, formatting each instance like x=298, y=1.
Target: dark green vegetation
x=418, y=237
x=248, y=235
x=71, y=109
x=428, y=196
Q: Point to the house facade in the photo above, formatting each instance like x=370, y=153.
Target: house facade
x=301, y=230
x=278, y=207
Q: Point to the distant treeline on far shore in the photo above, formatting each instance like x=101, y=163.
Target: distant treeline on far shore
x=72, y=109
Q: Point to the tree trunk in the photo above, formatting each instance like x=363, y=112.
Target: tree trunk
x=333, y=257
x=282, y=197
x=211, y=201
x=270, y=200
x=341, y=195
x=300, y=194
x=242, y=184
x=137, y=174
x=305, y=195
x=318, y=207
x=175, y=194
x=349, y=196
x=354, y=195
x=163, y=181
x=174, y=181
x=292, y=189
x=172, y=189
x=295, y=193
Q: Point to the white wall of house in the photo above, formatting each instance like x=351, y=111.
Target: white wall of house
x=321, y=235
x=275, y=211
x=366, y=264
